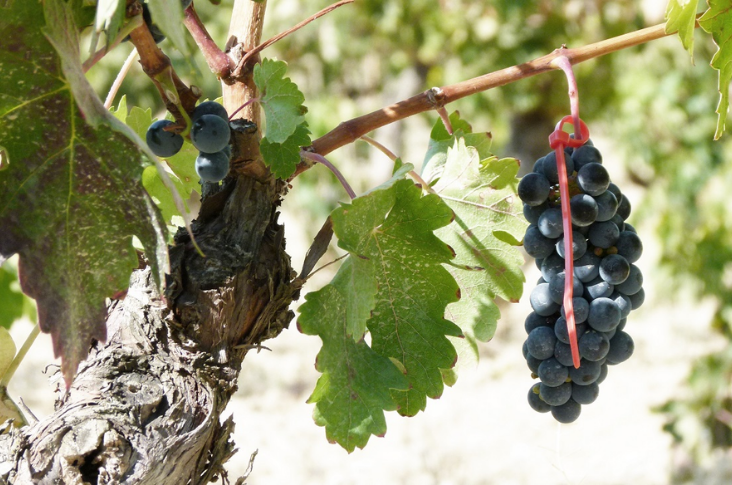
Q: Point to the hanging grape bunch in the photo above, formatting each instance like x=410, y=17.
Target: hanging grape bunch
x=210, y=134
x=606, y=287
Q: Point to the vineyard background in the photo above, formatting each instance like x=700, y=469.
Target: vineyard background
x=653, y=118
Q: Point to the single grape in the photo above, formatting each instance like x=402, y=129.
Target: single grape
x=563, y=354
x=615, y=190
x=579, y=245
x=587, y=267
x=535, y=401
x=533, y=188
x=618, y=221
x=593, y=345
x=550, y=166
x=607, y=206
x=585, y=394
x=614, y=269
x=541, y=342
x=209, y=108
x=536, y=245
x=633, y=283
x=621, y=348
x=551, y=266
x=556, y=396
x=629, y=246
x=210, y=133
x=637, y=299
x=593, y=179
x=163, y=143
x=538, y=166
x=587, y=373
x=552, y=373
x=623, y=207
x=562, y=333
x=624, y=303
x=598, y=288
x=556, y=288
x=550, y=223
x=533, y=364
x=567, y=412
x=584, y=209
x=212, y=167
x=603, y=234
x=603, y=373
x=584, y=155
x=604, y=314
x=541, y=300
x=533, y=212
x=581, y=309
x=534, y=320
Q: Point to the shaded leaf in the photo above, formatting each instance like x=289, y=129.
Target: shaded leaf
x=354, y=390
x=392, y=228
x=168, y=15
x=282, y=158
x=71, y=199
x=110, y=16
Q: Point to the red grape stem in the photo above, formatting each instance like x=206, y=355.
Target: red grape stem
x=568, y=253
x=558, y=140
x=562, y=62
x=316, y=157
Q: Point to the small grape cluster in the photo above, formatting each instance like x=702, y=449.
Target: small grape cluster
x=606, y=286
x=210, y=134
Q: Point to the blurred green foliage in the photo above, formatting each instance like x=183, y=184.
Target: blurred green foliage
x=13, y=303
x=651, y=101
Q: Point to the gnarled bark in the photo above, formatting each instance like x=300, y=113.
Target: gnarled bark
x=144, y=408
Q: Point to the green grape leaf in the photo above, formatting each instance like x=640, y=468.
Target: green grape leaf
x=354, y=390
x=392, y=228
x=717, y=20
x=71, y=198
x=281, y=100
x=488, y=223
x=681, y=18
x=168, y=15
x=282, y=158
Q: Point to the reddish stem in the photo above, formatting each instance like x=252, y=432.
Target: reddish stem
x=316, y=157
x=568, y=253
x=241, y=65
x=246, y=103
x=217, y=61
x=563, y=63
x=445, y=119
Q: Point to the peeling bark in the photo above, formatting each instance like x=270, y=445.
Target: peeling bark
x=145, y=406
